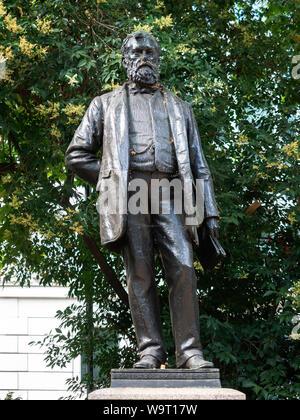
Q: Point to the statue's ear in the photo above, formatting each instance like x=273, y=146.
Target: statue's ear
x=158, y=58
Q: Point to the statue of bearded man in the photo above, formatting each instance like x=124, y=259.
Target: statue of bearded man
x=147, y=133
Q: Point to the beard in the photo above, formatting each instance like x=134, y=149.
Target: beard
x=143, y=72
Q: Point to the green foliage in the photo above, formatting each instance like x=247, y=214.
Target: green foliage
x=10, y=396
x=232, y=61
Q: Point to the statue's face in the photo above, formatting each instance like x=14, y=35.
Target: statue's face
x=141, y=61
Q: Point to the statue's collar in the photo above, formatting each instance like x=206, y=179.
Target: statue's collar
x=134, y=88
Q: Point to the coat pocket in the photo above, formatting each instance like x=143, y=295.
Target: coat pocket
x=105, y=173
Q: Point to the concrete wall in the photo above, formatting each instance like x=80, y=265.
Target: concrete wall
x=27, y=314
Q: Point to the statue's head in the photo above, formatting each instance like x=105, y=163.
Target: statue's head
x=140, y=57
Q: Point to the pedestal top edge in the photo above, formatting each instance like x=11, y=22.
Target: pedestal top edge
x=185, y=371
x=166, y=394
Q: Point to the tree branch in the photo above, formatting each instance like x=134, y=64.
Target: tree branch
x=92, y=246
x=7, y=167
x=108, y=272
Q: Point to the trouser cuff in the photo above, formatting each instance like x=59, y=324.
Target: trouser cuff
x=182, y=359
x=160, y=356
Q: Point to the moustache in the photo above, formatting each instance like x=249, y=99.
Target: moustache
x=145, y=63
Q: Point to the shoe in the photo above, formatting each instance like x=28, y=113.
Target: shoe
x=147, y=362
x=197, y=362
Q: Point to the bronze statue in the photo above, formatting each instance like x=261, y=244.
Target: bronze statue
x=147, y=132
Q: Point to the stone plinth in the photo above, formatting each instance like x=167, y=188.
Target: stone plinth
x=165, y=378
x=166, y=384
x=166, y=394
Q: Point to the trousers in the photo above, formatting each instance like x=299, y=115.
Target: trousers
x=166, y=233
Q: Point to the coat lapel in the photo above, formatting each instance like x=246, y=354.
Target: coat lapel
x=119, y=123
x=178, y=128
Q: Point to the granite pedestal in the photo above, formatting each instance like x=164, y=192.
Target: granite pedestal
x=166, y=394
x=166, y=384
x=165, y=378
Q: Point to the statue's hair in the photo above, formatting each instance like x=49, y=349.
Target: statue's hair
x=139, y=35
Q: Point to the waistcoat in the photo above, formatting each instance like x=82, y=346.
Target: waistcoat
x=151, y=145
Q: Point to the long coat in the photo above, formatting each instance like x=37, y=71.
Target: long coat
x=105, y=125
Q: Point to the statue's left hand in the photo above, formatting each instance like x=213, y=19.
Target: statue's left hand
x=212, y=223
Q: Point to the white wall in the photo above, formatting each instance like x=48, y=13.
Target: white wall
x=27, y=314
